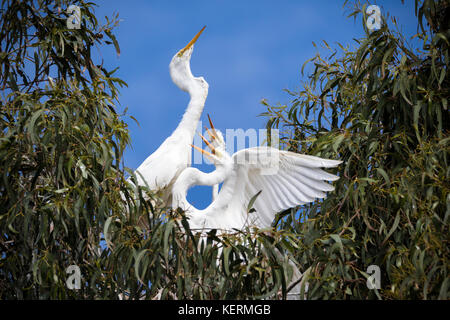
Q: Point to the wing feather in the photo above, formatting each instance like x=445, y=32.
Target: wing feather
x=301, y=189
x=286, y=179
x=266, y=202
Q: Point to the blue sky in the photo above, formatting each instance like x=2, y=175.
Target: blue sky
x=250, y=50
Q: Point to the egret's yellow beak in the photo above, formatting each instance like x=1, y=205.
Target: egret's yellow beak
x=181, y=52
x=210, y=146
x=213, y=136
x=206, y=153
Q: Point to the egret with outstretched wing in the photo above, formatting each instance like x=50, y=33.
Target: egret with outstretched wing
x=285, y=180
x=280, y=179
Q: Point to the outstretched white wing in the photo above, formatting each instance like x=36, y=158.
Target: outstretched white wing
x=285, y=179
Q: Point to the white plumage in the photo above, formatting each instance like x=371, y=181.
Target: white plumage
x=285, y=179
x=161, y=168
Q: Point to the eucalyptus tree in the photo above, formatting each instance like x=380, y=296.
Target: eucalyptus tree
x=382, y=109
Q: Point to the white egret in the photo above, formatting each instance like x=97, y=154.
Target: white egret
x=285, y=179
x=160, y=169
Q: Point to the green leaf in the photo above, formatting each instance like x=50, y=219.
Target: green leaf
x=337, y=142
x=394, y=226
x=114, y=40
x=443, y=292
x=167, y=233
x=106, y=231
x=137, y=262
x=252, y=201
x=384, y=174
x=226, y=258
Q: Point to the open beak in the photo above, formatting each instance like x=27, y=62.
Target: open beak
x=191, y=43
x=212, y=136
x=206, y=153
x=210, y=146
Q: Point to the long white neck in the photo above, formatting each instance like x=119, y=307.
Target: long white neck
x=192, y=176
x=197, y=87
x=188, y=124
